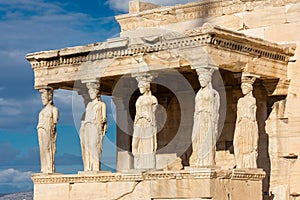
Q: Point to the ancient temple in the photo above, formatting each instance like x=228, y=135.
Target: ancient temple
x=206, y=99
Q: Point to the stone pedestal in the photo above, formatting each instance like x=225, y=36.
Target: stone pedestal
x=204, y=183
x=125, y=161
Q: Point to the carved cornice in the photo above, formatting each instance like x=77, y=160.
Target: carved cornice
x=251, y=175
x=123, y=47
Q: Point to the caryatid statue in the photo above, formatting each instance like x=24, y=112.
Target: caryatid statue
x=93, y=128
x=46, y=128
x=206, y=116
x=246, y=129
x=144, y=142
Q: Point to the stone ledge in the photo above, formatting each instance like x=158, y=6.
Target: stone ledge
x=201, y=173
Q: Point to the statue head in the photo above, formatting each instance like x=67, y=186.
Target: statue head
x=144, y=87
x=94, y=90
x=204, y=76
x=144, y=81
x=246, y=88
x=46, y=96
x=247, y=82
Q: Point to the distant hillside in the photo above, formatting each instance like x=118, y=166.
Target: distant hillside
x=18, y=196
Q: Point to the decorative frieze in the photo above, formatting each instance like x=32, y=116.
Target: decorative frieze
x=242, y=174
x=215, y=36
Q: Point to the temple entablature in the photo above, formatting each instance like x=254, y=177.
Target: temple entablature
x=207, y=45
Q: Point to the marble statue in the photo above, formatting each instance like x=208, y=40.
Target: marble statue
x=46, y=129
x=206, y=116
x=144, y=142
x=245, y=139
x=93, y=128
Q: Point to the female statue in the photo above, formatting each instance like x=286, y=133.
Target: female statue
x=246, y=129
x=144, y=143
x=206, y=116
x=93, y=129
x=46, y=128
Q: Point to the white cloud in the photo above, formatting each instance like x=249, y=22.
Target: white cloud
x=9, y=107
x=18, y=113
x=122, y=5
x=14, y=176
x=35, y=25
x=63, y=96
x=10, y=111
x=30, y=5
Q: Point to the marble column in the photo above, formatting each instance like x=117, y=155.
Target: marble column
x=93, y=128
x=144, y=142
x=46, y=129
x=206, y=117
x=123, y=120
x=245, y=139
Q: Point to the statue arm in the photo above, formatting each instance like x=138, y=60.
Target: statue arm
x=155, y=103
x=104, y=120
x=103, y=107
x=55, y=115
x=214, y=115
x=253, y=110
x=238, y=110
x=255, y=133
x=54, y=119
x=215, y=107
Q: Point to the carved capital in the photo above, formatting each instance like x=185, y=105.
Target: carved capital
x=248, y=78
x=205, y=73
x=92, y=84
x=144, y=76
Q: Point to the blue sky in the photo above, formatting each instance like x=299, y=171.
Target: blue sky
x=34, y=25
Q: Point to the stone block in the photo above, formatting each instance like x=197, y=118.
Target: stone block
x=276, y=34
x=141, y=190
x=82, y=191
x=124, y=161
x=233, y=22
x=255, y=32
x=251, y=188
x=163, y=160
x=294, y=141
x=51, y=191
x=182, y=188
x=295, y=176
x=280, y=192
x=225, y=159
x=294, y=90
x=123, y=189
x=293, y=109
x=264, y=17
x=293, y=13
x=293, y=70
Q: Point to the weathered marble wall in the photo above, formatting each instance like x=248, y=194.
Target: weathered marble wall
x=180, y=185
x=272, y=20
